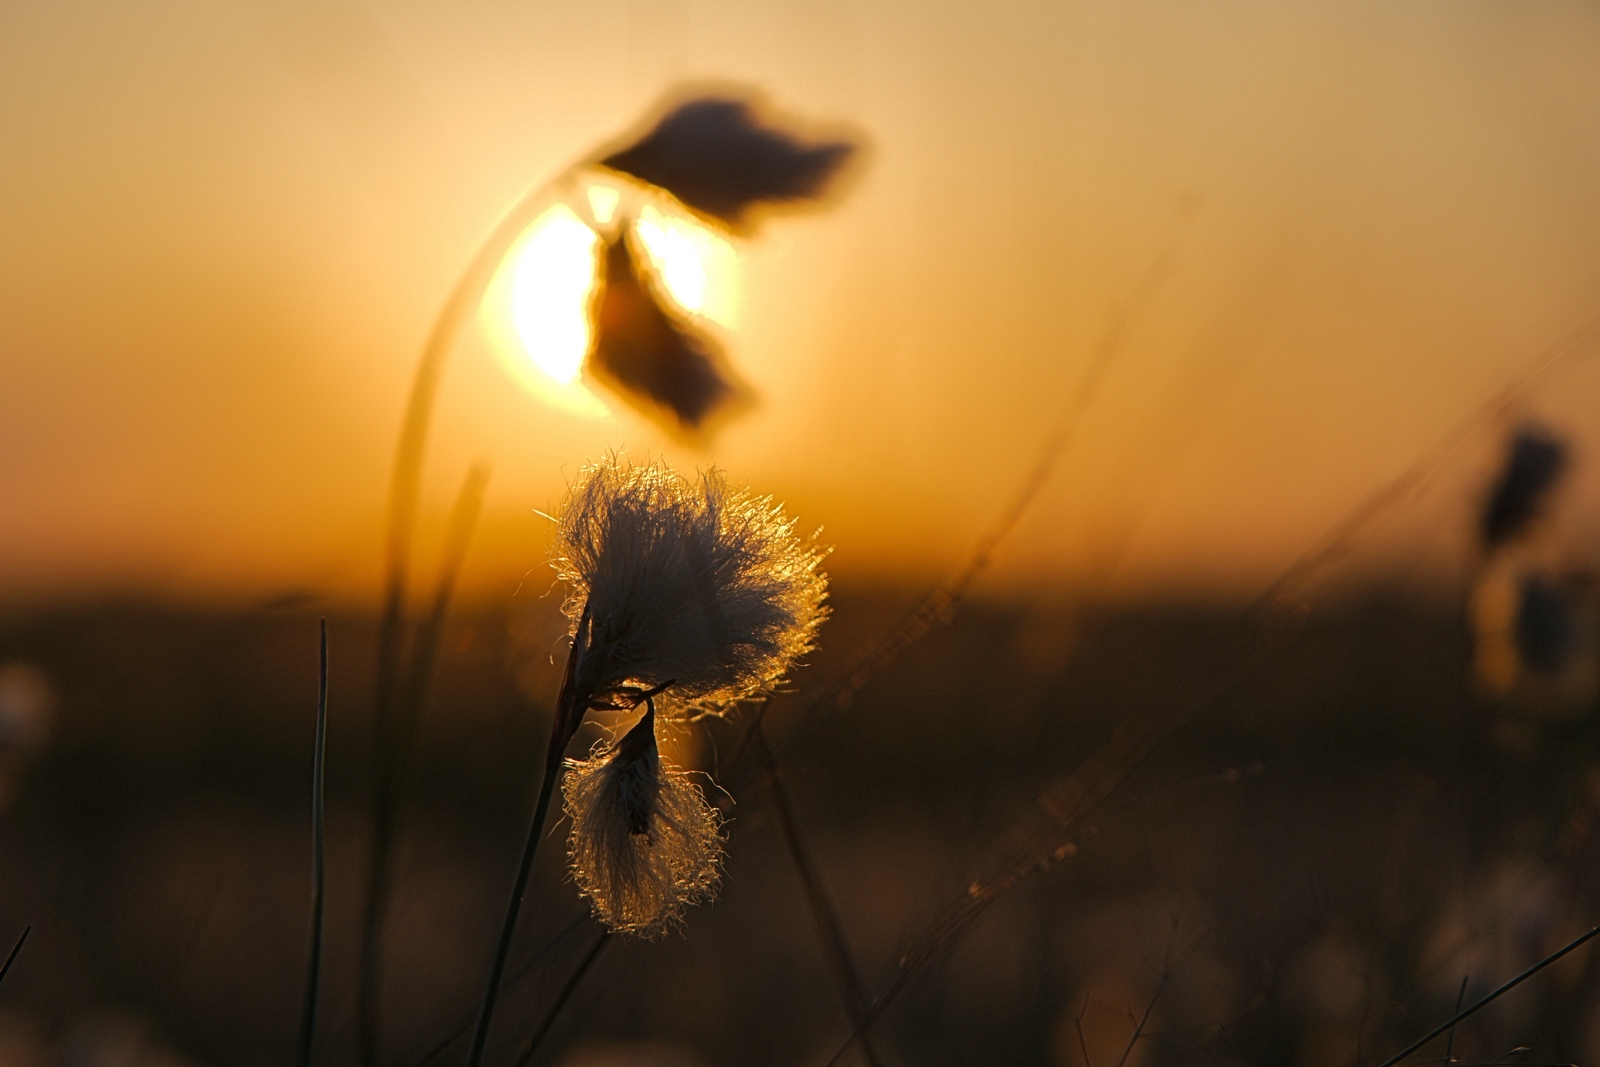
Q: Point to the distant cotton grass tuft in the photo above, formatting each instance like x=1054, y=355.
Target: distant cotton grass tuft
x=644, y=844
x=688, y=582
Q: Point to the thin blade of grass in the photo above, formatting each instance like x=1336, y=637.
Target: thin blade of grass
x=541, y=811
x=1067, y=803
x=5, y=969
x=1138, y=735
x=1450, y=1045
x=405, y=486
x=1450, y=1024
x=565, y=995
x=319, y=869
x=528, y=967
x=846, y=977
x=398, y=712
x=571, y=706
x=939, y=606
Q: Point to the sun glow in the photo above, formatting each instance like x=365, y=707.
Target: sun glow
x=536, y=311
x=550, y=292
x=603, y=202
x=697, y=268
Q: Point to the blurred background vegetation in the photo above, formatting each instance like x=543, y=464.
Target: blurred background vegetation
x=1259, y=261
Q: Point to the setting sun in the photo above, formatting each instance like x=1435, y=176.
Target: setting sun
x=538, y=309
x=697, y=268
x=550, y=292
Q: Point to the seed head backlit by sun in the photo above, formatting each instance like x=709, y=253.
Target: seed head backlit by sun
x=552, y=277
x=626, y=285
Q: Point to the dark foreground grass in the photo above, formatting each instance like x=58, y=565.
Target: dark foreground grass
x=1332, y=845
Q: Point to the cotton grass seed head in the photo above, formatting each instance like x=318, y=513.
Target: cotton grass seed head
x=644, y=844
x=688, y=582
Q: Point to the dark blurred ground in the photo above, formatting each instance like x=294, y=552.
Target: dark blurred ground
x=1302, y=875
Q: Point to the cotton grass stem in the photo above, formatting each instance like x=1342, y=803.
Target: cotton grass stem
x=399, y=712
x=405, y=488
x=529, y=965
x=571, y=987
x=1449, y=1024
x=570, y=709
x=5, y=969
x=319, y=868
x=847, y=978
x=541, y=811
x=1450, y=1043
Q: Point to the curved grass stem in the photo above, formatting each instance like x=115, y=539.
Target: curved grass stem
x=571, y=706
x=550, y=1016
x=508, y=929
x=405, y=488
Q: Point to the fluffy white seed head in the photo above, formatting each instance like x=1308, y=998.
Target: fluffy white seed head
x=688, y=582
x=644, y=844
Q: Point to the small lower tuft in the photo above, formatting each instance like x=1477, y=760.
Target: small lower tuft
x=645, y=844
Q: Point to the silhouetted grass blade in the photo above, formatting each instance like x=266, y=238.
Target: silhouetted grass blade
x=1449, y=1024
x=15, y=949
x=562, y=997
x=319, y=868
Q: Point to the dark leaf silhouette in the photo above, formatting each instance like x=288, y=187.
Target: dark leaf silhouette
x=718, y=156
x=1535, y=461
x=1546, y=631
x=652, y=358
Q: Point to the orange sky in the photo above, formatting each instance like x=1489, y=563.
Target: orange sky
x=225, y=229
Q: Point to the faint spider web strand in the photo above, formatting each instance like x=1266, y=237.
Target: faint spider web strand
x=847, y=976
x=1414, y=479
x=1137, y=736
x=941, y=603
x=1069, y=801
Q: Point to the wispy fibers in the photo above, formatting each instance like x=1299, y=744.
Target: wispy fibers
x=644, y=844
x=685, y=588
x=720, y=155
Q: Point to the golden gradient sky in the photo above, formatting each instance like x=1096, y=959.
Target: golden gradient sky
x=226, y=227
